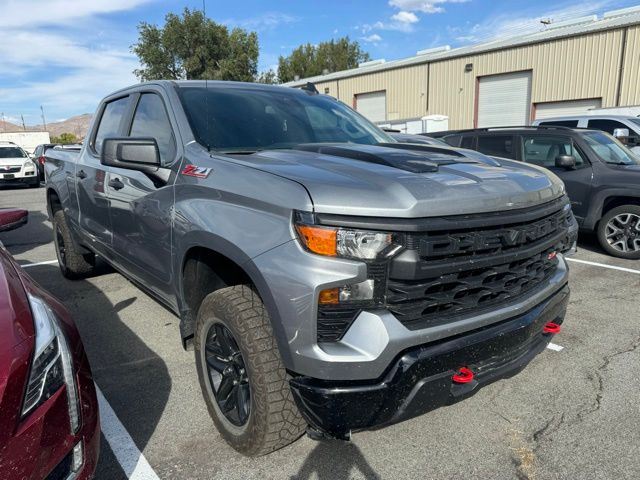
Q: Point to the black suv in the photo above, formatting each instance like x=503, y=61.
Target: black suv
x=602, y=176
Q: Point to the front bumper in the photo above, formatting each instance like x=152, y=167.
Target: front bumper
x=420, y=379
x=28, y=177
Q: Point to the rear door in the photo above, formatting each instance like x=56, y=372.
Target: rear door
x=543, y=150
x=91, y=178
x=140, y=207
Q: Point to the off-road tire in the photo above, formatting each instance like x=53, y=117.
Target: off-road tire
x=73, y=264
x=601, y=231
x=274, y=420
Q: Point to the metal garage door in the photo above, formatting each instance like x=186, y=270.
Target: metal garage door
x=372, y=105
x=568, y=108
x=504, y=100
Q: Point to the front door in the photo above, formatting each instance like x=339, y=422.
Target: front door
x=544, y=149
x=141, y=209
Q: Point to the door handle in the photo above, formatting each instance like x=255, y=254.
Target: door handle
x=81, y=175
x=116, y=184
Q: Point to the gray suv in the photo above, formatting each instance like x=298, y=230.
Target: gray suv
x=329, y=278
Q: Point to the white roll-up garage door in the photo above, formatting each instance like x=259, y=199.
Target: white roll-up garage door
x=372, y=105
x=568, y=108
x=504, y=100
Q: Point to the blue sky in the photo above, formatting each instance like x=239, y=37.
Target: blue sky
x=67, y=54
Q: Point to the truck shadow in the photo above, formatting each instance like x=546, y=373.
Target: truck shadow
x=133, y=378
x=335, y=460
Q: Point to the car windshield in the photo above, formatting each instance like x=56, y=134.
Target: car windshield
x=611, y=150
x=250, y=119
x=635, y=120
x=12, y=152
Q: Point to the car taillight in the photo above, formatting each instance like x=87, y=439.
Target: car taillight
x=41, y=159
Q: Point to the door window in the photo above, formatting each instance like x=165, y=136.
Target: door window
x=110, y=122
x=151, y=120
x=497, y=145
x=543, y=150
x=606, y=125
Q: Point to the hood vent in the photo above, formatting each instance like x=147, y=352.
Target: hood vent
x=408, y=161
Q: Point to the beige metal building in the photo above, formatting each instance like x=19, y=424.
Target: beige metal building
x=568, y=68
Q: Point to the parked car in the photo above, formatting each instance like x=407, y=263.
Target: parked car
x=16, y=166
x=418, y=139
x=625, y=128
x=330, y=279
x=39, y=154
x=601, y=175
x=49, y=425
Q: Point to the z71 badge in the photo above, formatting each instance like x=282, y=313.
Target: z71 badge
x=195, y=171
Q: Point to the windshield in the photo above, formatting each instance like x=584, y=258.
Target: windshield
x=635, y=120
x=249, y=119
x=12, y=152
x=610, y=150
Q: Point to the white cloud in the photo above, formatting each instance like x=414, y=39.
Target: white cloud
x=261, y=23
x=373, y=38
x=424, y=6
x=508, y=25
x=66, y=70
x=405, y=17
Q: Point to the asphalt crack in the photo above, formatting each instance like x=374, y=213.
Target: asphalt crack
x=524, y=456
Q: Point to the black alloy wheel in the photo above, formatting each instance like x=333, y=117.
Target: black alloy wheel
x=227, y=374
x=61, y=249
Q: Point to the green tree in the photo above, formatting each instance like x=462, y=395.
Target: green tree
x=309, y=60
x=65, y=139
x=192, y=46
x=268, y=76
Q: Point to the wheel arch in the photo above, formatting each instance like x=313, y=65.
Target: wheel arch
x=605, y=201
x=207, y=263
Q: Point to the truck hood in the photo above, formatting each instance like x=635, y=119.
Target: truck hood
x=371, y=180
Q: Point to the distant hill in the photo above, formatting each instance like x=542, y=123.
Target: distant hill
x=77, y=125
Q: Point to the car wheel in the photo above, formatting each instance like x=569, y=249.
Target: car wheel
x=73, y=264
x=243, y=381
x=619, y=232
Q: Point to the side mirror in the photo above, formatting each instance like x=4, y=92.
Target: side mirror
x=568, y=162
x=140, y=154
x=621, y=132
x=11, y=218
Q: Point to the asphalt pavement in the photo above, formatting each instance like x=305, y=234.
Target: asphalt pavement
x=571, y=414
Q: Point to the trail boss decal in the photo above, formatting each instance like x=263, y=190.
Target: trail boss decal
x=195, y=171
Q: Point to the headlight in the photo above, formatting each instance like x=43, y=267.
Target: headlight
x=52, y=365
x=29, y=165
x=345, y=242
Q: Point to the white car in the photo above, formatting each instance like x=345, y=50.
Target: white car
x=16, y=167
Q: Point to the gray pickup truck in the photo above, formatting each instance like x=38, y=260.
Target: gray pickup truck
x=329, y=278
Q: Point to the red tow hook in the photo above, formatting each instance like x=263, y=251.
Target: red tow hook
x=551, y=327
x=464, y=375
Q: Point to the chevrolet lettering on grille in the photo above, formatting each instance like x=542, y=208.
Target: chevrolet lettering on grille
x=490, y=240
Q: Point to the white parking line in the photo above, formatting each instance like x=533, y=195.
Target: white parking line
x=29, y=265
x=554, y=347
x=131, y=459
x=612, y=267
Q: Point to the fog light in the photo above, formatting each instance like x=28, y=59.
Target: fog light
x=77, y=457
x=348, y=293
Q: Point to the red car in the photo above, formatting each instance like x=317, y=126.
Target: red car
x=49, y=423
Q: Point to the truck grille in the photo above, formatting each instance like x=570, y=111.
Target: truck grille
x=433, y=301
x=467, y=271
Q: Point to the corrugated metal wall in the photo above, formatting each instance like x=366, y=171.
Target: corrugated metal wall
x=567, y=69
x=630, y=92
x=580, y=67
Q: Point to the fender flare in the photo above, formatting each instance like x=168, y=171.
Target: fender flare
x=217, y=244
x=597, y=204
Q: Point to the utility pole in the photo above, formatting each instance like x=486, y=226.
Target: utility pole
x=23, y=125
x=44, y=122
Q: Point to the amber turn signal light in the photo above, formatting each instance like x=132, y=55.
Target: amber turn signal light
x=329, y=297
x=318, y=240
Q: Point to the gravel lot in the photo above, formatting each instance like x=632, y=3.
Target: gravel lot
x=570, y=414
